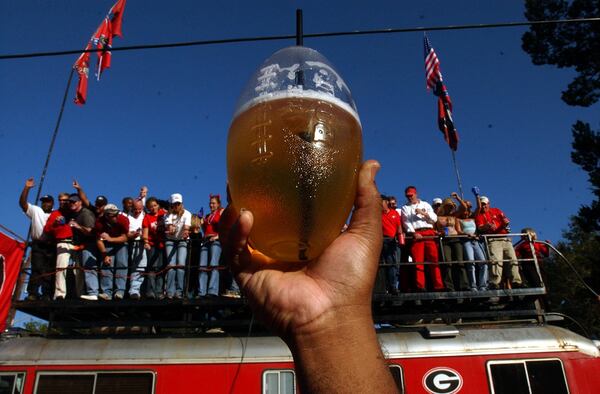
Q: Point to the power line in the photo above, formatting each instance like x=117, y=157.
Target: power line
x=293, y=37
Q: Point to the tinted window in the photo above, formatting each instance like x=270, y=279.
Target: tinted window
x=509, y=379
x=528, y=377
x=124, y=383
x=397, y=374
x=96, y=382
x=61, y=384
x=546, y=377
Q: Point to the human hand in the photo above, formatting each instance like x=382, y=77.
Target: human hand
x=454, y=195
x=303, y=299
x=418, y=236
x=104, y=236
x=147, y=246
x=29, y=183
x=107, y=260
x=143, y=191
x=76, y=184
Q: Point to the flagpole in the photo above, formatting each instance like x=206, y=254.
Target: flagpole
x=19, y=287
x=460, y=189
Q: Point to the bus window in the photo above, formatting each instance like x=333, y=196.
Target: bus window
x=527, y=377
x=279, y=382
x=11, y=383
x=397, y=374
x=95, y=382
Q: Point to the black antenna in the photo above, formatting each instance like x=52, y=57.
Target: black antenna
x=299, y=32
x=299, y=42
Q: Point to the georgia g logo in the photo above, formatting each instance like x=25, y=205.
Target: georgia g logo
x=442, y=380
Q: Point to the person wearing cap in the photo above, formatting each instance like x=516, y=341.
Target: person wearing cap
x=58, y=229
x=99, y=205
x=436, y=203
x=137, y=253
x=392, y=231
x=492, y=221
x=177, y=231
x=111, y=231
x=43, y=252
x=418, y=220
x=82, y=221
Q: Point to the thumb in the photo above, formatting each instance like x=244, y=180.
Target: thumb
x=366, y=219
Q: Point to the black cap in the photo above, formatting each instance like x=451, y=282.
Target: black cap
x=74, y=197
x=101, y=200
x=47, y=197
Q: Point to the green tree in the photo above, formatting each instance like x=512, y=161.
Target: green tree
x=577, y=46
x=36, y=327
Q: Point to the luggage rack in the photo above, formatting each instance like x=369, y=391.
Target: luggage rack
x=74, y=317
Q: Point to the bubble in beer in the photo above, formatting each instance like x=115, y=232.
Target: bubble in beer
x=293, y=154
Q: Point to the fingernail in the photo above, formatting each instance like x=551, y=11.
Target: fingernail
x=374, y=170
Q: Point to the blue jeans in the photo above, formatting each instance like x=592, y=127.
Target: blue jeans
x=137, y=258
x=118, y=264
x=176, y=258
x=89, y=262
x=155, y=281
x=210, y=253
x=477, y=272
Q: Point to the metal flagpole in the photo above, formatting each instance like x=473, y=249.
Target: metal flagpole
x=460, y=189
x=19, y=287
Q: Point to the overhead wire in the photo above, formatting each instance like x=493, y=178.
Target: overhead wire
x=307, y=35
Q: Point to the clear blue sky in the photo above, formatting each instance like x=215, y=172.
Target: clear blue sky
x=160, y=117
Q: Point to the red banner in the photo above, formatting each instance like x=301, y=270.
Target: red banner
x=11, y=253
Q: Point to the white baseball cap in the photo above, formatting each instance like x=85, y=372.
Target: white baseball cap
x=176, y=197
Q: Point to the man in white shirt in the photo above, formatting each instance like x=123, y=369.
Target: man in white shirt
x=43, y=251
x=418, y=220
x=137, y=255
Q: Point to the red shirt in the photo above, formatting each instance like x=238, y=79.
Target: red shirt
x=156, y=228
x=492, y=216
x=210, y=226
x=391, y=223
x=112, y=229
x=523, y=250
x=58, y=227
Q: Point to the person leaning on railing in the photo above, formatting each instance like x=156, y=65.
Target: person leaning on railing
x=153, y=235
x=472, y=248
x=492, y=221
x=177, y=231
x=448, y=227
x=523, y=250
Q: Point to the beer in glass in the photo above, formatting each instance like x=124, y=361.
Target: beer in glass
x=293, y=154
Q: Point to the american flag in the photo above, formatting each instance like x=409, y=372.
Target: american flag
x=432, y=66
x=433, y=80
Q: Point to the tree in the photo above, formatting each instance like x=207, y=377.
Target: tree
x=36, y=327
x=574, y=45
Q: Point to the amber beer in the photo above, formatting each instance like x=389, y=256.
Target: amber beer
x=293, y=160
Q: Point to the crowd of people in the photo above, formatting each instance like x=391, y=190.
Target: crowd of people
x=156, y=249
x=454, y=247
x=142, y=250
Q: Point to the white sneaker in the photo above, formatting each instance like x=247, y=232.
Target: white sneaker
x=104, y=297
x=89, y=297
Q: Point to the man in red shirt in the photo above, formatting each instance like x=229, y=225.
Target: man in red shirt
x=111, y=233
x=492, y=221
x=523, y=249
x=392, y=230
x=58, y=229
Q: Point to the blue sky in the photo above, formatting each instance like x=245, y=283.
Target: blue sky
x=160, y=117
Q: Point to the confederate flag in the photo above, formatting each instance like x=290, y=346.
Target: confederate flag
x=433, y=80
x=82, y=66
x=102, y=40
